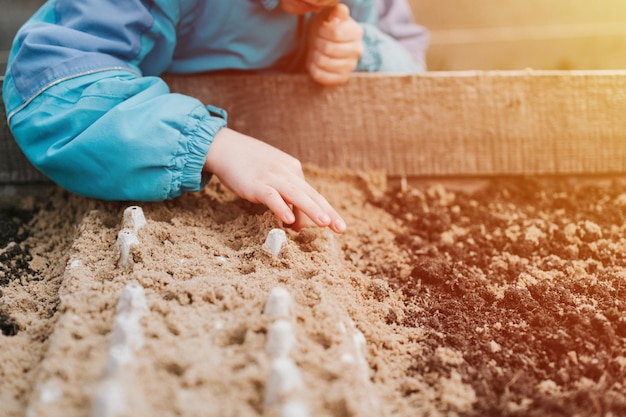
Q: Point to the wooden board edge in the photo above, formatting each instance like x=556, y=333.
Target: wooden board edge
x=438, y=124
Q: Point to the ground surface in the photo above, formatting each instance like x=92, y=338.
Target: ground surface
x=507, y=301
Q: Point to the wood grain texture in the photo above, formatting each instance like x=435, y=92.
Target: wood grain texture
x=440, y=124
x=437, y=124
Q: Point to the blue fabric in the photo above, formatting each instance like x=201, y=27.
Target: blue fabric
x=270, y=4
x=86, y=106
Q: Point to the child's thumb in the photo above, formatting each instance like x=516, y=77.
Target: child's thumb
x=338, y=13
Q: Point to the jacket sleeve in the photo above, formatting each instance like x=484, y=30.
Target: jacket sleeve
x=392, y=41
x=395, y=18
x=115, y=136
x=85, y=107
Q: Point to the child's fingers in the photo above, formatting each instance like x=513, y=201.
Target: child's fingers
x=337, y=224
x=348, y=31
x=301, y=197
x=351, y=49
x=327, y=78
x=304, y=199
x=334, y=65
x=302, y=220
x=308, y=201
x=338, y=13
x=274, y=201
x=338, y=59
x=263, y=174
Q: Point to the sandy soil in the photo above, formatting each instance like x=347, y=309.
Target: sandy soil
x=510, y=300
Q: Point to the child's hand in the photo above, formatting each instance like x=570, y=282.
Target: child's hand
x=335, y=46
x=263, y=174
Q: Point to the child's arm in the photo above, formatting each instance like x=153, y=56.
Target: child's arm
x=83, y=109
x=113, y=135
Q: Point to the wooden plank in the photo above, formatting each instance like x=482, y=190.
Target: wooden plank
x=440, y=124
x=437, y=124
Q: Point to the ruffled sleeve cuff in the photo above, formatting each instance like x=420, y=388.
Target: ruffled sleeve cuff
x=201, y=134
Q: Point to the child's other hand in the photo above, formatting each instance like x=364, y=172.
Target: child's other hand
x=260, y=173
x=335, y=46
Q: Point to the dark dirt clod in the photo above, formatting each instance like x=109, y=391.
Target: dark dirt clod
x=14, y=257
x=11, y=222
x=484, y=288
x=8, y=325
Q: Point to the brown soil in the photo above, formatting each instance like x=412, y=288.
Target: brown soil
x=505, y=301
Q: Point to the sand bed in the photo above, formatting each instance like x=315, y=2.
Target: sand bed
x=507, y=301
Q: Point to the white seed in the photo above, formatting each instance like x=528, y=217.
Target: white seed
x=359, y=346
x=130, y=309
x=120, y=357
x=133, y=300
x=284, y=380
x=278, y=303
x=125, y=340
x=126, y=239
x=127, y=332
x=294, y=409
x=359, y=340
x=346, y=358
x=109, y=400
x=50, y=392
x=274, y=241
x=280, y=339
x=133, y=218
x=342, y=328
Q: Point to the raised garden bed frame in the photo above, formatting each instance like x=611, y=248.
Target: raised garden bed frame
x=436, y=125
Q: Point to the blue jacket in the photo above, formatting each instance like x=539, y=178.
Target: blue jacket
x=85, y=102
